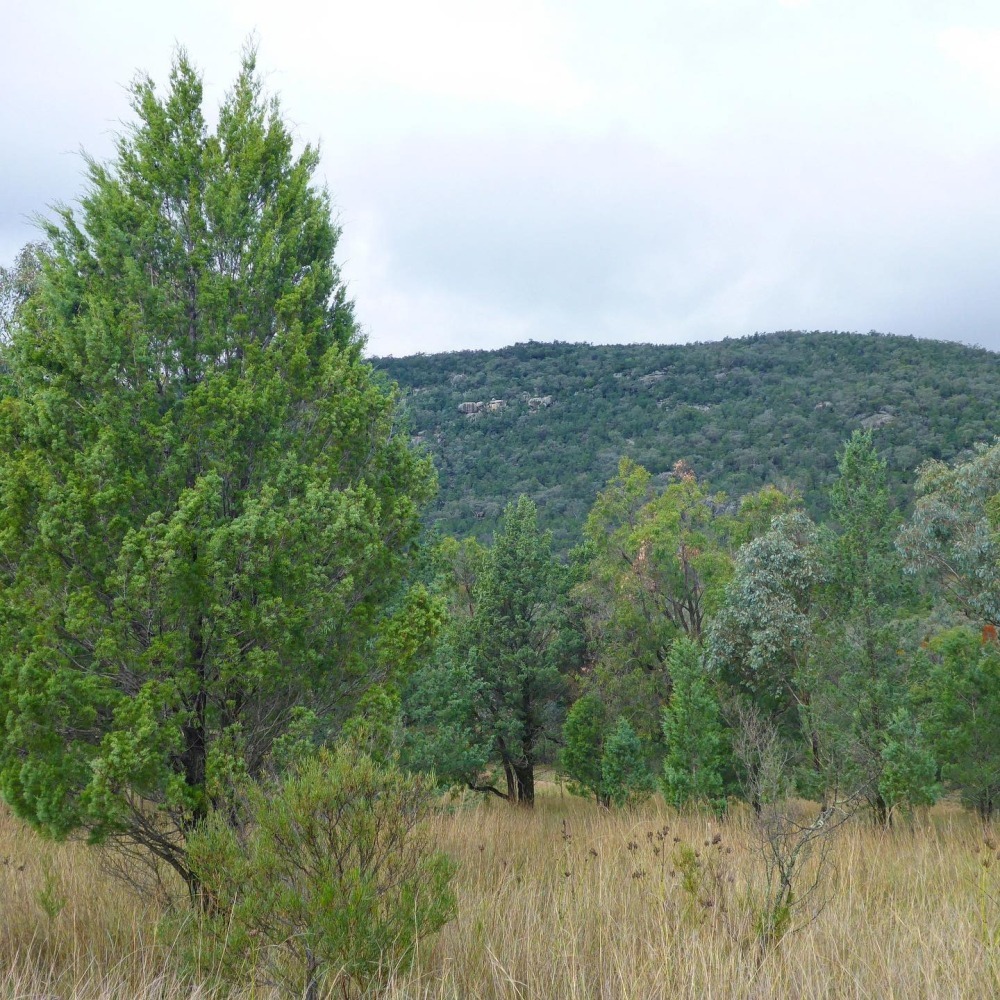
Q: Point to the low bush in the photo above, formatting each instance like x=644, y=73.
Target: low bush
x=323, y=879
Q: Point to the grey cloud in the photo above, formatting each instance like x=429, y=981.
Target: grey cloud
x=538, y=224
x=613, y=239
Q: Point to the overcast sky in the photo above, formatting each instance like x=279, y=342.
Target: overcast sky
x=660, y=171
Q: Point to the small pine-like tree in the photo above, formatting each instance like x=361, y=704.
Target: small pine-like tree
x=492, y=694
x=961, y=714
x=584, y=734
x=694, y=733
x=625, y=773
x=909, y=770
x=866, y=597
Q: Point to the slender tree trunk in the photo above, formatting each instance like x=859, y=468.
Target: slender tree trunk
x=195, y=758
x=508, y=770
x=817, y=763
x=985, y=807
x=195, y=730
x=883, y=815
x=312, y=977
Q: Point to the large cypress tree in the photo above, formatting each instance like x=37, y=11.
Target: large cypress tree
x=204, y=509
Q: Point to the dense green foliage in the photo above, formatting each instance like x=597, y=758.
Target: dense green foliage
x=955, y=530
x=718, y=635
x=605, y=760
x=818, y=632
x=624, y=770
x=762, y=640
x=205, y=511
x=764, y=409
x=653, y=567
x=864, y=676
x=960, y=700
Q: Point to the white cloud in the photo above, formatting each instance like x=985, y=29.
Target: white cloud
x=492, y=53
x=977, y=52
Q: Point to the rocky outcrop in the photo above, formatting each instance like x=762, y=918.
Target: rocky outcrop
x=472, y=409
x=878, y=419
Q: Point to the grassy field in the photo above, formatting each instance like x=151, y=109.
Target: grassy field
x=572, y=902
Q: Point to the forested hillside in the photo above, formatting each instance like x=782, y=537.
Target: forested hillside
x=767, y=408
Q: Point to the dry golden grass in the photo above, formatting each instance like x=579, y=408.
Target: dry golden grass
x=102, y=942
x=557, y=904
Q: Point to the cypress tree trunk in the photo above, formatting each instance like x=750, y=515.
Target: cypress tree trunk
x=524, y=775
x=880, y=808
x=520, y=783
x=195, y=730
x=508, y=770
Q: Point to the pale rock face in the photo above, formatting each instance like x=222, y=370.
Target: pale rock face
x=535, y=402
x=877, y=420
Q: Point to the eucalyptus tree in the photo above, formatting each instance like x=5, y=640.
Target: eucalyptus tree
x=812, y=632
x=954, y=531
x=206, y=511
x=952, y=538
x=17, y=283
x=653, y=567
x=763, y=639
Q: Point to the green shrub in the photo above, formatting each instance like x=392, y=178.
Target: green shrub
x=326, y=878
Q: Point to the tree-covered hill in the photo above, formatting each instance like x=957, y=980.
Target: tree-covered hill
x=741, y=412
